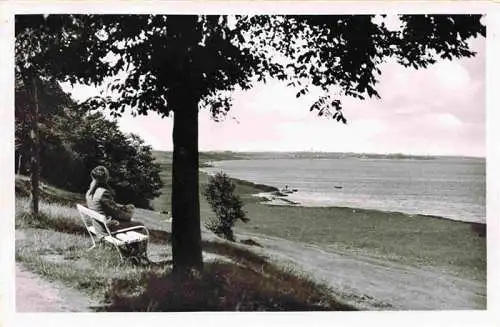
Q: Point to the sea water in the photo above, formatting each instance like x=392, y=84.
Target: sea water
x=453, y=188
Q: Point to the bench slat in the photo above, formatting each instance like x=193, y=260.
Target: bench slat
x=92, y=230
x=131, y=237
x=113, y=240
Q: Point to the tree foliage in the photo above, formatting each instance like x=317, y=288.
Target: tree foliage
x=226, y=205
x=73, y=142
x=212, y=55
x=216, y=54
x=41, y=42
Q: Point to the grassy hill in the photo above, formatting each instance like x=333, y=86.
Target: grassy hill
x=55, y=245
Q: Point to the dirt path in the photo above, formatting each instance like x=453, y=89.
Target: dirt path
x=373, y=284
x=34, y=294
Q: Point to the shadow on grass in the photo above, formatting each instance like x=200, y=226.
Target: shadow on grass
x=220, y=287
x=65, y=225
x=47, y=193
x=43, y=221
x=251, y=242
x=249, y=283
x=479, y=229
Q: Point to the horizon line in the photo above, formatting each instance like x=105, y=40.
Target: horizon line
x=339, y=152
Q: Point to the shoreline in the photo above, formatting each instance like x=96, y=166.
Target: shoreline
x=265, y=192
x=268, y=198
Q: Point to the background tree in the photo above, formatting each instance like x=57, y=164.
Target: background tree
x=226, y=205
x=73, y=141
x=29, y=141
x=89, y=139
x=50, y=99
x=44, y=48
x=180, y=64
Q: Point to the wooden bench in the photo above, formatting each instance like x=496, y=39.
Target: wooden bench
x=98, y=229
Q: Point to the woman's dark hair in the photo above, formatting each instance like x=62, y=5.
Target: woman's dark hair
x=101, y=176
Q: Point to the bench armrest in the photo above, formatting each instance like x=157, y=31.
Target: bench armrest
x=129, y=229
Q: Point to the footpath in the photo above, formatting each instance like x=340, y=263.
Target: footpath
x=34, y=294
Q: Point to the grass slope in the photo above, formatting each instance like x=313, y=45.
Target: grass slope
x=55, y=245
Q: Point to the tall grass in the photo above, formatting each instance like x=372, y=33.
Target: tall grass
x=65, y=257
x=51, y=216
x=220, y=287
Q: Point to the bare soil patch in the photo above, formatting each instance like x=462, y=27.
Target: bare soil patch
x=34, y=294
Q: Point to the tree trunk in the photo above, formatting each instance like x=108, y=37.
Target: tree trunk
x=35, y=152
x=186, y=232
x=19, y=164
x=18, y=160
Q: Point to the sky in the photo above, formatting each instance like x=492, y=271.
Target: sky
x=435, y=111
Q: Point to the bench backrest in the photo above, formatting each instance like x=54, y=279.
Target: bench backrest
x=93, y=219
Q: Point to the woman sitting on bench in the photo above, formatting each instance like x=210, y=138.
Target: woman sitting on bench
x=100, y=199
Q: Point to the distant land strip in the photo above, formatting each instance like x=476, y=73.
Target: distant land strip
x=209, y=156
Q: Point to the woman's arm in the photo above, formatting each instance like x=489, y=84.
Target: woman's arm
x=113, y=209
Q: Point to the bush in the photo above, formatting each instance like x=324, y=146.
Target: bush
x=226, y=205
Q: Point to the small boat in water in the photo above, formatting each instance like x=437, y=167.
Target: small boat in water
x=287, y=190
x=338, y=187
